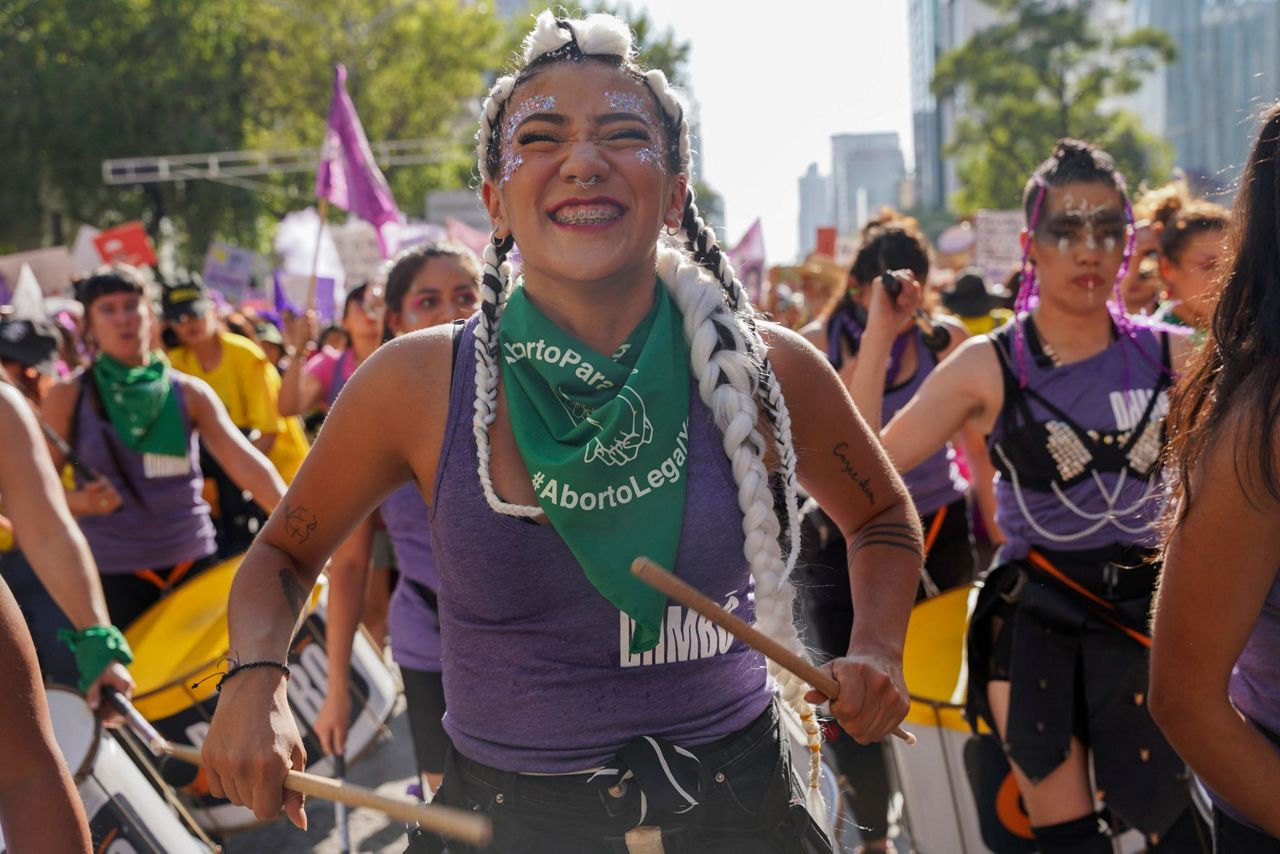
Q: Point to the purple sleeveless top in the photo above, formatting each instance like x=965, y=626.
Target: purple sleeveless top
x=1254, y=687
x=937, y=481
x=1083, y=508
x=537, y=671
x=173, y=527
x=414, y=619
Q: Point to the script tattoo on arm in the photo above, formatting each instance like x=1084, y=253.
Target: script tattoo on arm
x=299, y=523
x=846, y=465
x=295, y=591
x=893, y=534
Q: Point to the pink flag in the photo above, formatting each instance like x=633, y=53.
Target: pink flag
x=470, y=237
x=348, y=176
x=748, y=261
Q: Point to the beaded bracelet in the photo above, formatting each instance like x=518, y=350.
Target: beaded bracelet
x=249, y=665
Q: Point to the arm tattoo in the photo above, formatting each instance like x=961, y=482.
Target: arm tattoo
x=894, y=534
x=295, y=592
x=864, y=483
x=299, y=523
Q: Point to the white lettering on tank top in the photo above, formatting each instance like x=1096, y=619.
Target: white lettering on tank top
x=163, y=465
x=1129, y=406
x=684, y=636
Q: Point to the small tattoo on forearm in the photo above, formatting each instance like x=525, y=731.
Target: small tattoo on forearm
x=864, y=483
x=299, y=523
x=295, y=592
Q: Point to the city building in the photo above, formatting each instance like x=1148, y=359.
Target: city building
x=926, y=120
x=815, y=207
x=1228, y=69
x=867, y=171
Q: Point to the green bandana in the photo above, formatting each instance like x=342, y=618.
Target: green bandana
x=142, y=404
x=94, y=648
x=605, y=442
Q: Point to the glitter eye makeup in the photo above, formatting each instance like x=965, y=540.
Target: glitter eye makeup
x=509, y=161
x=630, y=102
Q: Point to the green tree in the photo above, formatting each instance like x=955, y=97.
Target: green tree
x=1047, y=71
x=86, y=80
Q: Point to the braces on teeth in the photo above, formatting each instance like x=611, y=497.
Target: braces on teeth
x=587, y=217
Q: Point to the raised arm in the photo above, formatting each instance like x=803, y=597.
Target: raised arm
x=357, y=461
x=842, y=466
x=1205, y=610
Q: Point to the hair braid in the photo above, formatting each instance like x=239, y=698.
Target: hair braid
x=728, y=383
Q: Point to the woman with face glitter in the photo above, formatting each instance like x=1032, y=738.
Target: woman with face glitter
x=1072, y=396
x=1215, y=682
x=619, y=399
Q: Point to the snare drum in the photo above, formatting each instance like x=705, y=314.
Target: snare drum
x=958, y=796
x=125, y=812
x=183, y=638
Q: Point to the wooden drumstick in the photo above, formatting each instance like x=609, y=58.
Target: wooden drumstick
x=447, y=821
x=676, y=589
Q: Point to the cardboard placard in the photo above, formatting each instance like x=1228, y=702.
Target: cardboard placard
x=51, y=267
x=229, y=270
x=996, y=249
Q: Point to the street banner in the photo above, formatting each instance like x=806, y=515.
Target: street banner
x=229, y=270
x=348, y=176
x=292, y=291
x=51, y=267
x=748, y=262
x=996, y=249
x=126, y=244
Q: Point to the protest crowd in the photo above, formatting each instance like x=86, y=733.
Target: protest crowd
x=1005, y=532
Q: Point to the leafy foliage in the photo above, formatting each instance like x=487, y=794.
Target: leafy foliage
x=1047, y=71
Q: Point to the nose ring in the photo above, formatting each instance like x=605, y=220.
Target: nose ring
x=591, y=182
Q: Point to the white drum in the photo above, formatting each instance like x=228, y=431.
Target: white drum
x=126, y=815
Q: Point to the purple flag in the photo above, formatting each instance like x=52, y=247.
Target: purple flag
x=291, y=294
x=348, y=175
x=748, y=262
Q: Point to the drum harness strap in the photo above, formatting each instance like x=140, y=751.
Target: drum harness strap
x=1096, y=605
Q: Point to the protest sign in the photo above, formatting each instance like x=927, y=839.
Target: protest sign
x=996, y=250
x=229, y=270
x=127, y=244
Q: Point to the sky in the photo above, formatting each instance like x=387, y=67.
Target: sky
x=774, y=81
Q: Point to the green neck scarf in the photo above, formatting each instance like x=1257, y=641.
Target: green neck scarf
x=142, y=404
x=605, y=440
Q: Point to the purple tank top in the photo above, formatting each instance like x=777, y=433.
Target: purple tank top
x=174, y=524
x=1100, y=508
x=937, y=481
x=537, y=670
x=414, y=618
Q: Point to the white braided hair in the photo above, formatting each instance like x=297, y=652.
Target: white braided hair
x=728, y=358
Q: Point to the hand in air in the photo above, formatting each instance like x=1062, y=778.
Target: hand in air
x=873, y=695
x=300, y=331
x=894, y=298
x=116, y=677
x=252, y=745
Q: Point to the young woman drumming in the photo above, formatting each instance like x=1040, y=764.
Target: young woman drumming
x=426, y=287
x=615, y=402
x=1071, y=396
x=1215, y=677
x=139, y=423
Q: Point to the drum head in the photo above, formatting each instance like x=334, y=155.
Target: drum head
x=933, y=660
x=76, y=729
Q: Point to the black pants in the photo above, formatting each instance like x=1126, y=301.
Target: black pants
x=44, y=619
x=1234, y=837
x=130, y=595
x=822, y=575
x=424, y=694
x=751, y=804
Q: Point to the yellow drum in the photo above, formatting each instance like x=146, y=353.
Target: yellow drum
x=947, y=805
x=183, y=638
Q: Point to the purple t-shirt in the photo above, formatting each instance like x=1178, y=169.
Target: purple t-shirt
x=414, y=619
x=537, y=668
